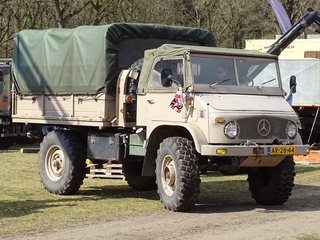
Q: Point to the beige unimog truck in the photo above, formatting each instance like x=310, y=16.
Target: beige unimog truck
x=163, y=101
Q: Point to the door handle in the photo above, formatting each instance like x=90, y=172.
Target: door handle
x=151, y=101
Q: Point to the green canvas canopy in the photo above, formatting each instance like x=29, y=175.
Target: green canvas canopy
x=171, y=50
x=88, y=59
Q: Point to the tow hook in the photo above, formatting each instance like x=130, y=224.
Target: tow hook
x=257, y=150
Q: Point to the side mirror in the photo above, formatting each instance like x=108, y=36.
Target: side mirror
x=293, y=84
x=166, y=76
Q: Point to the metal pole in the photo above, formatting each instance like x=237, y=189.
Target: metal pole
x=208, y=116
x=314, y=123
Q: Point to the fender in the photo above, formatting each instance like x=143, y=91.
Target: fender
x=197, y=135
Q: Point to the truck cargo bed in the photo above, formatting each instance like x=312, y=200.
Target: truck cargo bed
x=81, y=110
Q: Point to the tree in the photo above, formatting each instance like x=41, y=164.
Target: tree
x=231, y=21
x=65, y=10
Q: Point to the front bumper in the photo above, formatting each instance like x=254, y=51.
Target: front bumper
x=255, y=155
x=252, y=150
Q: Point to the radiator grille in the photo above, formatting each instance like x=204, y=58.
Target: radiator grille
x=270, y=128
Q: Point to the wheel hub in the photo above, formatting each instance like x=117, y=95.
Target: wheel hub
x=168, y=175
x=57, y=164
x=54, y=163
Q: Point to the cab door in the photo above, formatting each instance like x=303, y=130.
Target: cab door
x=164, y=92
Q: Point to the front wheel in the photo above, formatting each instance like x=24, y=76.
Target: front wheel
x=61, y=162
x=177, y=174
x=272, y=185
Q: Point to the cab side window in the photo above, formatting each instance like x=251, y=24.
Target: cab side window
x=176, y=66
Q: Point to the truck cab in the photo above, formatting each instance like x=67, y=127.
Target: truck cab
x=243, y=114
x=235, y=122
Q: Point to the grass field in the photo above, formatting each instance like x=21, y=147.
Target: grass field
x=26, y=205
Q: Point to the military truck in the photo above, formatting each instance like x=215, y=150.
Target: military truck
x=152, y=97
x=9, y=132
x=6, y=127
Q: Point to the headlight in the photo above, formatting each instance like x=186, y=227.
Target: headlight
x=231, y=130
x=291, y=130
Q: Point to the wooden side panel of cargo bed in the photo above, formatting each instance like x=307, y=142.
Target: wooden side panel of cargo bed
x=82, y=109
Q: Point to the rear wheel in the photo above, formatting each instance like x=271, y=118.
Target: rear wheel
x=61, y=162
x=132, y=173
x=177, y=174
x=25, y=140
x=6, y=142
x=272, y=185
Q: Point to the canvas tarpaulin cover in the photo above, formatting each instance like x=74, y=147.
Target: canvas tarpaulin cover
x=88, y=59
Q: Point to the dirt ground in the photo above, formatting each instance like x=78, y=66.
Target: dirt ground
x=235, y=219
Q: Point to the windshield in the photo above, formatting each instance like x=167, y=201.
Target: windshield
x=211, y=72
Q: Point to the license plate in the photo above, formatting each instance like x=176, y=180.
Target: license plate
x=285, y=150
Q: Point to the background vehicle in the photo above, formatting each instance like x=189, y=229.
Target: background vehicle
x=10, y=132
x=305, y=102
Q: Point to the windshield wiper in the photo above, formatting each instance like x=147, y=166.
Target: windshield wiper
x=264, y=83
x=221, y=81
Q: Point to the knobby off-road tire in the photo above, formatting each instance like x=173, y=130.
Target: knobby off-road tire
x=25, y=140
x=177, y=174
x=132, y=107
x=137, y=65
x=132, y=173
x=272, y=185
x=61, y=162
x=6, y=142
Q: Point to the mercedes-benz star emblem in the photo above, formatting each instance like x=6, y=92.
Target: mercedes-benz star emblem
x=264, y=127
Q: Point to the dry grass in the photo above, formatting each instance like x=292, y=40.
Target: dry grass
x=26, y=206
